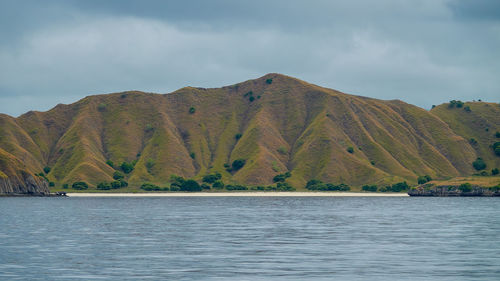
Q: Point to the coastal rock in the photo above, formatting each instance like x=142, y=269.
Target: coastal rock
x=430, y=190
x=24, y=183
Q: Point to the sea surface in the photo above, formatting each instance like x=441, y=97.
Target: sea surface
x=250, y=238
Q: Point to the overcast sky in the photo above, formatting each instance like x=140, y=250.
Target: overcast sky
x=422, y=52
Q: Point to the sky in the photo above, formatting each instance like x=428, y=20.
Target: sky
x=423, y=52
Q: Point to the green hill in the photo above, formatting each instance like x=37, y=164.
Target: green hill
x=275, y=123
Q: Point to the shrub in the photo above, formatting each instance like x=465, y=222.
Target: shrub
x=494, y=172
x=149, y=128
x=212, y=178
x=497, y=134
x=248, y=94
x=400, y=186
x=282, y=177
x=117, y=175
x=46, y=169
x=116, y=184
x=52, y=184
x=174, y=188
x=218, y=185
x=372, y=162
x=314, y=184
x=190, y=185
x=251, y=98
x=455, y=103
x=350, y=149
x=65, y=186
x=284, y=186
x=237, y=136
x=150, y=163
x=101, y=107
x=473, y=141
x=269, y=81
x=103, y=186
x=192, y=155
x=496, y=148
x=205, y=186
x=424, y=179
x=371, y=188
x=236, y=187
x=150, y=187
x=110, y=163
x=192, y=110
x=165, y=189
x=127, y=167
x=282, y=150
x=80, y=185
x=484, y=173
x=467, y=108
x=465, y=187
x=479, y=164
x=176, y=179
x=238, y=164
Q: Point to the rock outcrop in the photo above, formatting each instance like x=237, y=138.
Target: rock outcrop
x=15, y=180
x=26, y=184
x=464, y=190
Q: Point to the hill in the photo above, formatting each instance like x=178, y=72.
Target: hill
x=275, y=123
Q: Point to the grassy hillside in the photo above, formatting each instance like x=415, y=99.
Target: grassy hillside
x=478, y=123
x=275, y=123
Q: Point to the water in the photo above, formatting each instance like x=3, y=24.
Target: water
x=250, y=238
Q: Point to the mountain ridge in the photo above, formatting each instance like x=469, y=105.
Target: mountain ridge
x=284, y=124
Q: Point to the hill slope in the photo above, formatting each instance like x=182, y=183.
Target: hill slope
x=275, y=123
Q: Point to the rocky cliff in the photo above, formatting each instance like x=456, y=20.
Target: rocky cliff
x=15, y=180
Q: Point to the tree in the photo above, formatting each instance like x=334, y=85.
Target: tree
x=371, y=188
x=191, y=186
x=269, y=81
x=494, y=171
x=497, y=134
x=424, y=179
x=150, y=187
x=212, y=178
x=46, y=169
x=110, y=163
x=52, y=184
x=103, y=186
x=465, y=187
x=192, y=110
x=400, y=186
x=117, y=175
x=80, y=185
x=496, y=148
x=218, y=185
x=127, y=167
x=237, y=136
x=350, y=149
x=479, y=164
x=116, y=184
x=238, y=164
x=65, y=186
x=205, y=186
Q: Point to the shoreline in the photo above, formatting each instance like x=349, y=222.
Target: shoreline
x=241, y=194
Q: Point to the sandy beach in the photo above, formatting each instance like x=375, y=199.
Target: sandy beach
x=241, y=194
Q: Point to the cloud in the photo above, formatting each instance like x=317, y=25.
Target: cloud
x=420, y=53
